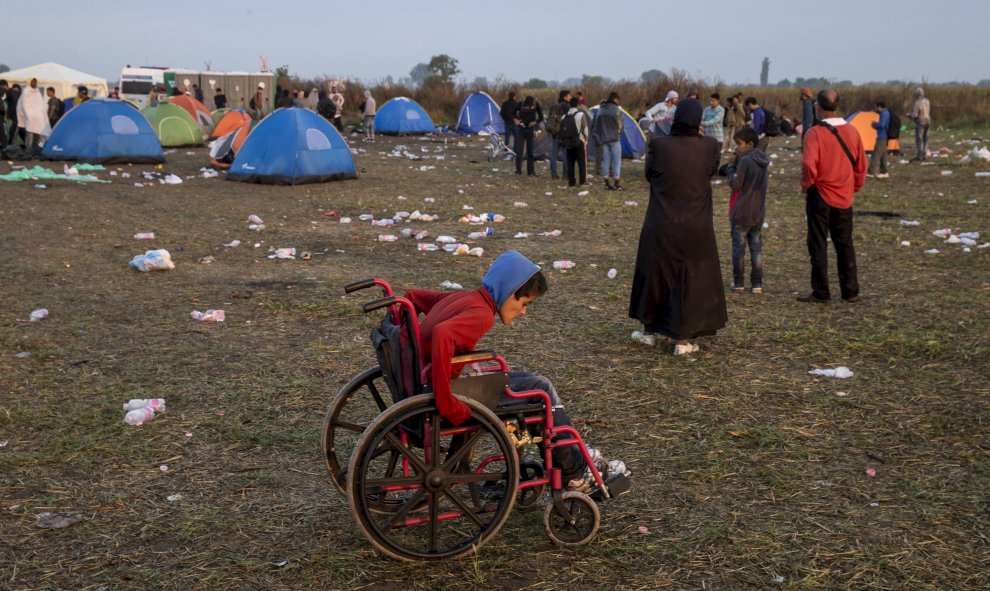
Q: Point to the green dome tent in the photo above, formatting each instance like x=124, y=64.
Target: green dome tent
x=173, y=125
x=218, y=115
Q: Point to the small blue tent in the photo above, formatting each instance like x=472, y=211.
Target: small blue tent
x=402, y=115
x=102, y=131
x=477, y=113
x=633, y=140
x=290, y=147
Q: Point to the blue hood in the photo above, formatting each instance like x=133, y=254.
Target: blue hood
x=507, y=274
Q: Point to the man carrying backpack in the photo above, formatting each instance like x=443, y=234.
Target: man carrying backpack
x=554, y=117
x=758, y=121
x=573, y=137
x=880, y=148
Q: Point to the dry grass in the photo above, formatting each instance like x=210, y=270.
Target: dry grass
x=746, y=468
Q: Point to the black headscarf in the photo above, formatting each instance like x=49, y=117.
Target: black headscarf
x=687, y=118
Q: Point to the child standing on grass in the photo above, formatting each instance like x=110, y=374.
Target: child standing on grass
x=747, y=207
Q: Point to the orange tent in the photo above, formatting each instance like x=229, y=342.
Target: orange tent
x=863, y=122
x=223, y=150
x=195, y=108
x=231, y=121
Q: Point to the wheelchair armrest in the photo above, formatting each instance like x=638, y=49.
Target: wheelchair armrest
x=379, y=303
x=361, y=284
x=474, y=356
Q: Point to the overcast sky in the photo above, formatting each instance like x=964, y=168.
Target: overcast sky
x=849, y=40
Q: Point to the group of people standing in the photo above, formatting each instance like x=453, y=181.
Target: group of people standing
x=31, y=115
x=677, y=291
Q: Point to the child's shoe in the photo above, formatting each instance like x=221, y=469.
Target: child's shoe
x=686, y=349
x=736, y=288
x=757, y=289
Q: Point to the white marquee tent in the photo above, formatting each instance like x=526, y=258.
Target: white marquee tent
x=64, y=80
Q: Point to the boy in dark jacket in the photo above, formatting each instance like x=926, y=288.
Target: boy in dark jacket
x=456, y=321
x=747, y=207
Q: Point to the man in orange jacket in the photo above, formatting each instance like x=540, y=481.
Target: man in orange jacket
x=833, y=170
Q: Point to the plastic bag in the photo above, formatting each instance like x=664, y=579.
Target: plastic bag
x=153, y=260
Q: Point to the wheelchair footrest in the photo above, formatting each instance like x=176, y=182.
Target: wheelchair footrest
x=617, y=484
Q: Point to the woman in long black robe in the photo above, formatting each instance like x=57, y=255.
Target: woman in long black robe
x=677, y=288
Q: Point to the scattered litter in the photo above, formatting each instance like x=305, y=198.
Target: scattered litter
x=209, y=173
x=48, y=520
x=548, y=193
x=522, y=235
x=944, y=232
x=967, y=249
x=905, y=243
x=383, y=222
x=839, y=372
x=208, y=316
x=364, y=217
x=345, y=220
x=153, y=260
x=208, y=259
x=984, y=245
x=139, y=416
x=39, y=314
x=253, y=219
x=643, y=529
x=387, y=237
x=479, y=235
x=429, y=199
x=426, y=246
x=156, y=404
x=612, y=273
x=163, y=468
x=552, y=233
x=22, y=355
x=282, y=253
x=583, y=193
x=874, y=504
x=910, y=223
x=765, y=225
x=446, y=284
x=520, y=204
x=564, y=264
x=233, y=244
x=464, y=250
x=971, y=202
x=40, y=186
x=171, y=179
x=446, y=239
x=41, y=173
x=144, y=236
x=946, y=173
x=778, y=579
x=173, y=498
x=333, y=213
x=629, y=203
x=466, y=206
x=871, y=472
x=983, y=174
x=931, y=251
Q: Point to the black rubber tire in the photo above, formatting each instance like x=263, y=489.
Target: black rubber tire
x=528, y=499
x=358, y=403
x=439, y=484
x=587, y=520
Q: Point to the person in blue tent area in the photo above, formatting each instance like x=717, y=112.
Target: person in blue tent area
x=508, y=112
x=527, y=118
x=56, y=107
x=368, y=109
x=325, y=107
x=454, y=323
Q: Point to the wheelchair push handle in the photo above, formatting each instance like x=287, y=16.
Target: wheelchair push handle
x=379, y=303
x=360, y=284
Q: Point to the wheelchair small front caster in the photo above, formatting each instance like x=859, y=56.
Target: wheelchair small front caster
x=580, y=523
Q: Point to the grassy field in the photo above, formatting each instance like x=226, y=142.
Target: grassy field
x=749, y=473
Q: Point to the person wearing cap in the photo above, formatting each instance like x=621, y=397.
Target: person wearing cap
x=82, y=95
x=809, y=117
x=455, y=322
x=32, y=116
x=662, y=114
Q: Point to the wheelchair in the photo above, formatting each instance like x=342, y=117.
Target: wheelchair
x=497, y=148
x=421, y=489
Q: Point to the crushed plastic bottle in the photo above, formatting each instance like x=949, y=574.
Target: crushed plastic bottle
x=253, y=219
x=426, y=246
x=208, y=316
x=139, y=416
x=612, y=273
x=345, y=220
x=560, y=265
x=446, y=239
x=156, y=404
x=520, y=204
x=551, y=233
x=383, y=222
x=479, y=235
x=387, y=237
x=144, y=236
x=256, y=227
x=39, y=314
x=364, y=217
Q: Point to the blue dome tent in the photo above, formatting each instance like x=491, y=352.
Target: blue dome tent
x=402, y=115
x=477, y=113
x=290, y=147
x=633, y=141
x=103, y=131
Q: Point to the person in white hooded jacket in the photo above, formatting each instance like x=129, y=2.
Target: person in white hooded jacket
x=32, y=115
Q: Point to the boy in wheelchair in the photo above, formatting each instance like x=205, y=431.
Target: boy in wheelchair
x=454, y=323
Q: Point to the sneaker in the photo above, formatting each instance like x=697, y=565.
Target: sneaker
x=757, y=289
x=852, y=300
x=811, y=297
x=883, y=175
x=644, y=339
x=737, y=288
x=586, y=481
x=686, y=349
x=870, y=176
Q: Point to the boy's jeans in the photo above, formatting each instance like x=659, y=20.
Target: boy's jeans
x=741, y=236
x=612, y=158
x=568, y=458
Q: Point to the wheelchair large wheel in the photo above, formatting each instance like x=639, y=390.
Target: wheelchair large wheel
x=446, y=495
x=576, y=529
x=352, y=409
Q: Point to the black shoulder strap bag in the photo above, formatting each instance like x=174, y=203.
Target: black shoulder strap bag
x=835, y=132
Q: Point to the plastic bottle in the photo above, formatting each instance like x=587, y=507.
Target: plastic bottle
x=387, y=237
x=255, y=219
x=478, y=235
x=425, y=246
x=564, y=264
x=139, y=416
x=39, y=314
x=144, y=236
x=612, y=273
x=156, y=404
